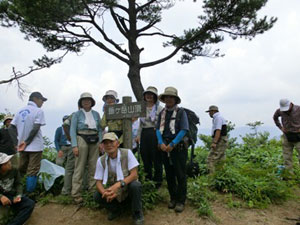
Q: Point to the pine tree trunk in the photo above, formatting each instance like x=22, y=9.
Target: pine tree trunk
x=135, y=81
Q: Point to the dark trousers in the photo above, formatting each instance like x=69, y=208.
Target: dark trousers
x=175, y=167
x=134, y=198
x=21, y=209
x=151, y=156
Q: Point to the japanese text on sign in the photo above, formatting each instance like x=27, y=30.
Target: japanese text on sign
x=128, y=110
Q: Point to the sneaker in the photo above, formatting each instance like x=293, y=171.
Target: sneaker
x=138, y=218
x=113, y=214
x=78, y=200
x=179, y=207
x=172, y=204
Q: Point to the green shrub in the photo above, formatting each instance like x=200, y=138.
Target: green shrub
x=150, y=195
x=251, y=172
x=199, y=194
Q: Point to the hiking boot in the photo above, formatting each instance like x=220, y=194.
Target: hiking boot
x=172, y=204
x=179, y=207
x=113, y=214
x=138, y=218
x=78, y=200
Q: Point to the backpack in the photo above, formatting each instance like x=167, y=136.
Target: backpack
x=193, y=120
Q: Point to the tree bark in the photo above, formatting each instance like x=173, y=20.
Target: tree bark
x=135, y=81
x=134, y=64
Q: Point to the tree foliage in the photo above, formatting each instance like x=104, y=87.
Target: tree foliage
x=71, y=25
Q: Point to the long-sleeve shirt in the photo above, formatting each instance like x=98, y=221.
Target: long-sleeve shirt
x=182, y=128
x=289, y=120
x=10, y=183
x=113, y=125
x=60, y=138
x=25, y=121
x=78, y=123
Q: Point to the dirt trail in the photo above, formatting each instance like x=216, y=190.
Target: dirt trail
x=55, y=214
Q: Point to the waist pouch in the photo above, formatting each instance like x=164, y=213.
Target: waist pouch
x=90, y=138
x=292, y=137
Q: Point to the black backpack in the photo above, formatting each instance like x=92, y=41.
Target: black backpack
x=193, y=121
x=192, y=168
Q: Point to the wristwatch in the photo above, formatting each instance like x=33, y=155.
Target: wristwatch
x=123, y=184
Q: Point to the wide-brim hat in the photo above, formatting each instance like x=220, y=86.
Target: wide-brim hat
x=169, y=91
x=4, y=158
x=152, y=90
x=86, y=95
x=109, y=136
x=284, y=104
x=212, y=108
x=8, y=117
x=111, y=93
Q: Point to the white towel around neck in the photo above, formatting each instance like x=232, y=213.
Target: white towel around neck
x=120, y=175
x=89, y=119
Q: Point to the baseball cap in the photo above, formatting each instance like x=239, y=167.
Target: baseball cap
x=37, y=94
x=109, y=136
x=212, y=108
x=284, y=104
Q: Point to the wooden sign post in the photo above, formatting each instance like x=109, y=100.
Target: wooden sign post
x=126, y=111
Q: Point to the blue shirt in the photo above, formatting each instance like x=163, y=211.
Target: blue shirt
x=60, y=138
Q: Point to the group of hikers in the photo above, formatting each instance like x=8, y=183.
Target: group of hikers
x=90, y=148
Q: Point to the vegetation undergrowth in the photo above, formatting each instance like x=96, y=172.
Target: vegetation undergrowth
x=252, y=176
x=252, y=172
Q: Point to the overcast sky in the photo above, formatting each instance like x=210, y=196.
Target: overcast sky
x=246, y=84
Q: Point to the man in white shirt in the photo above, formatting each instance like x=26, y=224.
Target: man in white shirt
x=116, y=180
x=219, y=138
x=26, y=132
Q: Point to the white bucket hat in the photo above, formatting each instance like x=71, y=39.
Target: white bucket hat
x=284, y=104
x=169, y=91
x=7, y=117
x=111, y=93
x=86, y=95
x=152, y=90
x=4, y=158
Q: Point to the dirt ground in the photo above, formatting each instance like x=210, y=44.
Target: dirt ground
x=55, y=214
